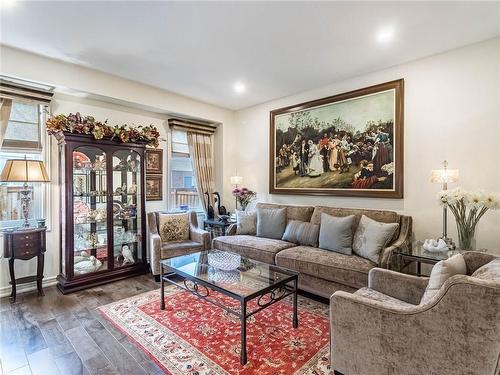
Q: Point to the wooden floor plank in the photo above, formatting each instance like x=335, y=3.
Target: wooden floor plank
x=20, y=371
x=11, y=349
x=88, y=351
x=55, y=338
x=113, y=350
x=71, y=364
x=67, y=320
x=30, y=334
x=42, y=363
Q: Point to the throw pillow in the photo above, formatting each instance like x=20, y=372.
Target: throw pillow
x=271, y=223
x=301, y=232
x=246, y=222
x=173, y=227
x=490, y=271
x=335, y=233
x=441, y=272
x=371, y=237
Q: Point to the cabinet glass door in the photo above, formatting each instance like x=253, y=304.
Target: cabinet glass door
x=127, y=210
x=89, y=211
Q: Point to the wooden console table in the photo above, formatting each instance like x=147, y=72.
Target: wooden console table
x=25, y=244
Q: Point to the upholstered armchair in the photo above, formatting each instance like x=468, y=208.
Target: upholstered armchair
x=384, y=329
x=198, y=240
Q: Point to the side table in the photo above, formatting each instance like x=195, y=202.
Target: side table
x=25, y=244
x=216, y=227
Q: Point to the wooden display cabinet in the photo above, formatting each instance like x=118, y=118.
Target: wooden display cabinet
x=103, y=225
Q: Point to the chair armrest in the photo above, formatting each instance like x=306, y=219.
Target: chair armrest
x=402, y=242
x=155, y=252
x=231, y=230
x=404, y=287
x=200, y=236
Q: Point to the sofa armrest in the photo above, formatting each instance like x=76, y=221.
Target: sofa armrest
x=404, y=287
x=200, y=236
x=231, y=230
x=155, y=252
x=402, y=242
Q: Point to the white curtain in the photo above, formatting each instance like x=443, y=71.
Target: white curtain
x=5, y=108
x=200, y=150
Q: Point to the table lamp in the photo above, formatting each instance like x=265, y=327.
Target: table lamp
x=23, y=170
x=445, y=176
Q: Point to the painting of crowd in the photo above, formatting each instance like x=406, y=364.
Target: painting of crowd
x=348, y=158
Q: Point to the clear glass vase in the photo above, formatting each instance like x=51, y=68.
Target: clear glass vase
x=466, y=239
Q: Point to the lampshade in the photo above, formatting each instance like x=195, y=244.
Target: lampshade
x=236, y=180
x=444, y=176
x=23, y=170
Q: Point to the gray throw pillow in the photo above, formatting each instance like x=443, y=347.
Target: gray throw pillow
x=271, y=223
x=246, y=222
x=335, y=233
x=371, y=237
x=302, y=233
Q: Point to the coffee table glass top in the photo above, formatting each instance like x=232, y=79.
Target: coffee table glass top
x=231, y=272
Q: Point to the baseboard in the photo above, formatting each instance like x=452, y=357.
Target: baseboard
x=28, y=287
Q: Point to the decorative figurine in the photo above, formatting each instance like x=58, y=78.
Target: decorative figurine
x=220, y=209
x=210, y=209
x=132, y=189
x=128, y=256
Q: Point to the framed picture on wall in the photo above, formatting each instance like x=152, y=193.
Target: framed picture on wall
x=349, y=144
x=154, y=161
x=154, y=187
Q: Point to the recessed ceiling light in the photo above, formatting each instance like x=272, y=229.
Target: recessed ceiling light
x=385, y=34
x=239, y=87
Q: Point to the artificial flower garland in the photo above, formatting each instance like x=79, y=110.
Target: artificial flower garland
x=76, y=123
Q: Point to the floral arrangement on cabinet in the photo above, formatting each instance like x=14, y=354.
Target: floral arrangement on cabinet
x=76, y=123
x=243, y=196
x=468, y=207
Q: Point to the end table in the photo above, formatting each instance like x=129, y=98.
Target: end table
x=216, y=227
x=25, y=244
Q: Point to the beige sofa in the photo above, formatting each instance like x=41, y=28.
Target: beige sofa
x=383, y=329
x=322, y=272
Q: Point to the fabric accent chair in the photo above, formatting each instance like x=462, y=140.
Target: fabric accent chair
x=384, y=329
x=199, y=240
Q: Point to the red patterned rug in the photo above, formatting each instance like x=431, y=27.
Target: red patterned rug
x=195, y=337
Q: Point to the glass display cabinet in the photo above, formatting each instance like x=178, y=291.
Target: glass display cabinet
x=102, y=211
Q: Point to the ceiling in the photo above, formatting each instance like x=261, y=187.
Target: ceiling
x=201, y=49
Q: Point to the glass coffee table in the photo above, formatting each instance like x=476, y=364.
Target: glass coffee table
x=234, y=276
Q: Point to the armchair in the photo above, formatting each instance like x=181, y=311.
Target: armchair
x=384, y=329
x=199, y=240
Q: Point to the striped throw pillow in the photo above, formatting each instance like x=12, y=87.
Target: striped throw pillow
x=301, y=232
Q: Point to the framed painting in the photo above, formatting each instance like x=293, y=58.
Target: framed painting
x=154, y=161
x=349, y=144
x=154, y=188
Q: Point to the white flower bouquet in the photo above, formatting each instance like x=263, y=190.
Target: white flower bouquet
x=468, y=207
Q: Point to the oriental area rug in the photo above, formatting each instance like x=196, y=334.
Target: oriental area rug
x=192, y=336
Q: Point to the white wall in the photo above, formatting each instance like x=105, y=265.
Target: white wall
x=452, y=112
x=163, y=104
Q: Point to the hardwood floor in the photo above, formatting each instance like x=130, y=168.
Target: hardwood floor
x=65, y=334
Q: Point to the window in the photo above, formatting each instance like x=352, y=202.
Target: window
x=24, y=136
x=183, y=192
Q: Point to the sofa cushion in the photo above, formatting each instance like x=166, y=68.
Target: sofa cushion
x=246, y=222
x=258, y=248
x=176, y=248
x=350, y=270
x=378, y=215
x=293, y=212
x=302, y=233
x=271, y=223
x=173, y=227
x=381, y=297
x=335, y=233
x=490, y=271
x=371, y=237
x=441, y=272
